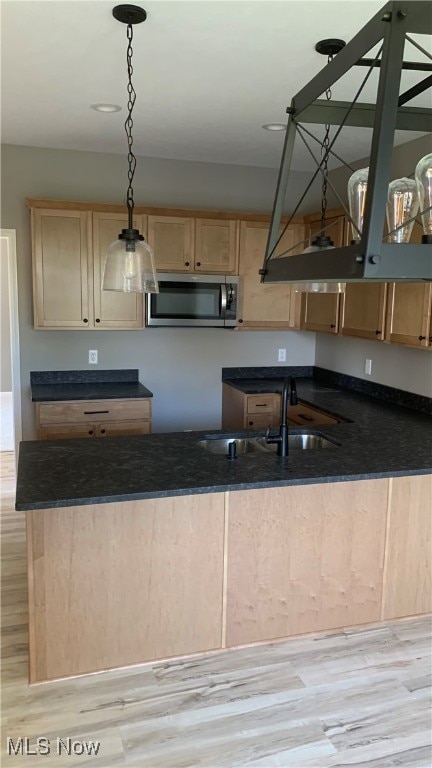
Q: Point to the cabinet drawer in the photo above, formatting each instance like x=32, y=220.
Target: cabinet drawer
x=118, y=428
x=94, y=411
x=262, y=421
x=65, y=431
x=305, y=416
x=263, y=403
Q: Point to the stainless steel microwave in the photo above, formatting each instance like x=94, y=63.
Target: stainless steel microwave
x=193, y=300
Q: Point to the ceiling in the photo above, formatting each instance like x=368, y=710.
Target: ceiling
x=208, y=75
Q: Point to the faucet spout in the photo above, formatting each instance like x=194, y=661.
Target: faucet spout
x=289, y=391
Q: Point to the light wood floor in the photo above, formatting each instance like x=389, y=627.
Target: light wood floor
x=355, y=698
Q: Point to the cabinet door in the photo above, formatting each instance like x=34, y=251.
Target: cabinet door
x=320, y=311
x=363, y=309
x=113, y=309
x=61, y=243
x=409, y=314
x=172, y=240
x=260, y=305
x=216, y=246
x=118, y=428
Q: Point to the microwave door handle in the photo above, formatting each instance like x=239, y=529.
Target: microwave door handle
x=223, y=301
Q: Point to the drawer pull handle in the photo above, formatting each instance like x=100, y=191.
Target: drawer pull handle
x=89, y=413
x=261, y=405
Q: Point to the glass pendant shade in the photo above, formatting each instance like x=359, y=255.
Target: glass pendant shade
x=357, y=189
x=129, y=267
x=402, y=205
x=321, y=243
x=423, y=177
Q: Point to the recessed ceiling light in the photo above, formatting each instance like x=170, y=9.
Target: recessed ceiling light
x=106, y=107
x=274, y=127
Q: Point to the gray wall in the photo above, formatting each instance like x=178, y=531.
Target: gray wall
x=5, y=340
x=394, y=365
x=182, y=367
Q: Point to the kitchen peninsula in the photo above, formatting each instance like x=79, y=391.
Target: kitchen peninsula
x=150, y=547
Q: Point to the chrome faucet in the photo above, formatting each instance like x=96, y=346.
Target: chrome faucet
x=289, y=389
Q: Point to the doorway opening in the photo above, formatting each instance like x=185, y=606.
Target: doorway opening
x=10, y=379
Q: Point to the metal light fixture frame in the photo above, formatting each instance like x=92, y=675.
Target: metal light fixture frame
x=368, y=259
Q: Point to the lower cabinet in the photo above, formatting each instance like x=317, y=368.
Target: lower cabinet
x=305, y=558
x=243, y=411
x=93, y=418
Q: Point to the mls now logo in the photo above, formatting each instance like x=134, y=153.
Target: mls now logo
x=44, y=746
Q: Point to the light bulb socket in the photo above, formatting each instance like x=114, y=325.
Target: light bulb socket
x=131, y=235
x=322, y=241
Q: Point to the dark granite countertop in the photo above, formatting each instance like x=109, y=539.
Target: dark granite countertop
x=382, y=440
x=49, y=386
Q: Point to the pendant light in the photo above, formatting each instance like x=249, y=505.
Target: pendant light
x=423, y=177
x=129, y=263
x=323, y=242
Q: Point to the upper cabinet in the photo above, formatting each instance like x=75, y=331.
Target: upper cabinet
x=264, y=305
x=216, y=246
x=363, y=310
x=172, y=240
x=113, y=309
x=68, y=253
x=194, y=245
x=409, y=308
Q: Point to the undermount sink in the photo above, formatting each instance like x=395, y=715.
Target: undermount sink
x=256, y=445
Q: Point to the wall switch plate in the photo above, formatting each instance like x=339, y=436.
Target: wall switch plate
x=282, y=355
x=368, y=366
x=93, y=356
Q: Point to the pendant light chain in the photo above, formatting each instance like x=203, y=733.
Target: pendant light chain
x=325, y=151
x=129, y=126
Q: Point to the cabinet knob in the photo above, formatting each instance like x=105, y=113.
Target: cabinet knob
x=377, y=333
x=85, y=320
x=198, y=263
x=333, y=325
x=240, y=321
x=98, y=319
x=421, y=338
x=187, y=263
x=90, y=431
x=251, y=423
x=103, y=431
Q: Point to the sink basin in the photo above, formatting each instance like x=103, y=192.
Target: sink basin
x=304, y=441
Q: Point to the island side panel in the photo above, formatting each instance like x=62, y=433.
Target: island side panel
x=407, y=576
x=305, y=558
x=118, y=584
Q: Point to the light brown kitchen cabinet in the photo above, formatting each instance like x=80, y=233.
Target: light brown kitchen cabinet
x=247, y=411
x=216, y=246
x=62, y=284
x=265, y=305
x=320, y=311
x=59, y=420
x=172, y=240
x=409, y=308
x=363, y=310
x=113, y=309
x=69, y=249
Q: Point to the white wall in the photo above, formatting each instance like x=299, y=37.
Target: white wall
x=5, y=339
x=181, y=366
x=393, y=365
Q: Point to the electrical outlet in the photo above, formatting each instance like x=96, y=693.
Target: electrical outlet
x=282, y=355
x=93, y=356
x=368, y=366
